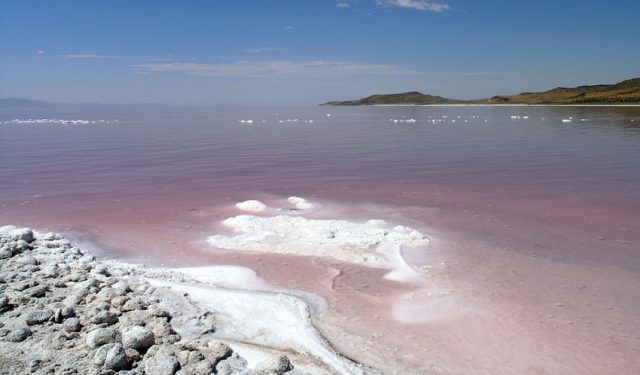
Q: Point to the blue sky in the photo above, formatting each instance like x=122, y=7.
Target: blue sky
x=303, y=52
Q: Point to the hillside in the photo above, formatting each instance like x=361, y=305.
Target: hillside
x=625, y=92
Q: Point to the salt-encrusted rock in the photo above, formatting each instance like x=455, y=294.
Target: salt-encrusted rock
x=101, y=336
x=231, y=366
x=19, y=335
x=116, y=359
x=197, y=368
x=27, y=259
x=4, y=304
x=38, y=317
x=5, y=253
x=101, y=354
x=105, y=317
x=51, y=270
x=24, y=234
x=273, y=365
x=217, y=351
x=136, y=303
x=161, y=364
x=72, y=325
x=138, y=338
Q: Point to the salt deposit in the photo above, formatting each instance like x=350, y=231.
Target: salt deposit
x=251, y=206
x=57, y=121
x=300, y=203
x=342, y=239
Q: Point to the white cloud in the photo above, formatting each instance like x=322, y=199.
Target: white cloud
x=261, y=49
x=40, y=52
x=89, y=56
x=343, y=5
x=416, y=4
x=273, y=68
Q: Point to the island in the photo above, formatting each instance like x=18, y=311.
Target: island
x=625, y=92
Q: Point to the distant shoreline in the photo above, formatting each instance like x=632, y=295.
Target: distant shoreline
x=625, y=93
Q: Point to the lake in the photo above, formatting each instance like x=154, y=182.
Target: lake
x=533, y=214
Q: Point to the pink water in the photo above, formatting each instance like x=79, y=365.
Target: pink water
x=535, y=222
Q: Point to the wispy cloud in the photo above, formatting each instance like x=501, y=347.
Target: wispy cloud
x=40, y=52
x=273, y=69
x=262, y=50
x=343, y=5
x=416, y=4
x=90, y=56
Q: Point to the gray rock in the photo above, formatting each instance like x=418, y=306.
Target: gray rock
x=6, y=254
x=106, y=317
x=116, y=359
x=24, y=234
x=161, y=364
x=50, y=271
x=101, y=336
x=101, y=354
x=217, y=351
x=197, y=368
x=38, y=317
x=138, y=338
x=19, y=335
x=72, y=325
x=277, y=365
x=27, y=259
x=136, y=303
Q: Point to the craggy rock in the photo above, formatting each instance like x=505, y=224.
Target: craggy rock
x=274, y=365
x=64, y=312
x=38, y=317
x=161, y=364
x=138, y=338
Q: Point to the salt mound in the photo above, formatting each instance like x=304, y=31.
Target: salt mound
x=251, y=205
x=300, y=203
x=344, y=240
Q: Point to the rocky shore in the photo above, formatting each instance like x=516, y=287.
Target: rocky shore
x=64, y=312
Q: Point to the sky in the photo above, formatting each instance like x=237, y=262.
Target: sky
x=305, y=52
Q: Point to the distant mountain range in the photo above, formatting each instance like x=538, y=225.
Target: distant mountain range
x=625, y=92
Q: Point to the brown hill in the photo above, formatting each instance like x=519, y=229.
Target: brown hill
x=625, y=92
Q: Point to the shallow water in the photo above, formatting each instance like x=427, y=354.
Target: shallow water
x=534, y=264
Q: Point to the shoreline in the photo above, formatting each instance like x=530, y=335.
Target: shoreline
x=193, y=307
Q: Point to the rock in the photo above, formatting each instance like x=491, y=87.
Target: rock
x=106, y=317
x=276, y=365
x=161, y=364
x=138, y=338
x=101, y=269
x=101, y=336
x=101, y=354
x=116, y=359
x=4, y=304
x=197, y=368
x=217, y=351
x=27, y=259
x=136, y=303
x=50, y=271
x=6, y=254
x=19, y=335
x=72, y=325
x=24, y=234
x=38, y=317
